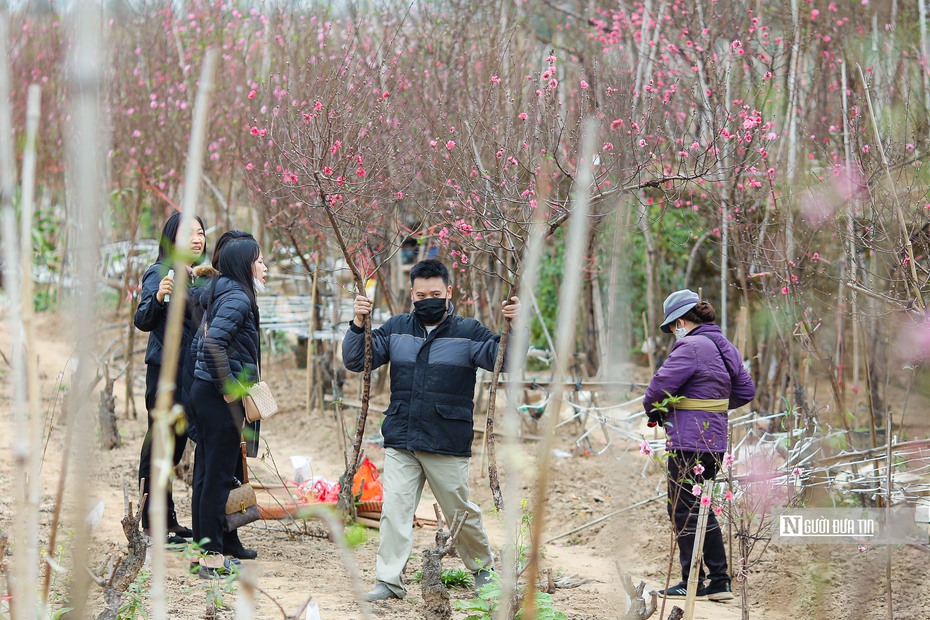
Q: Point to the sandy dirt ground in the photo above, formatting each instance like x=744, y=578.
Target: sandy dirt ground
x=790, y=582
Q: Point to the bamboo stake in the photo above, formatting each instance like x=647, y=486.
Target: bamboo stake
x=22, y=590
x=924, y=75
x=317, y=393
x=576, y=246
x=311, y=349
x=725, y=219
x=650, y=346
x=697, y=553
x=603, y=518
x=34, y=490
x=513, y=455
x=164, y=414
x=245, y=602
x=850, y=230
x=889, y=472
x=85, y=150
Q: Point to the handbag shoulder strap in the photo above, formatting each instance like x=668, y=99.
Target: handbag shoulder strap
x=245, y=463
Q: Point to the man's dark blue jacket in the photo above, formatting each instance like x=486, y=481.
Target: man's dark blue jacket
x=432, y=379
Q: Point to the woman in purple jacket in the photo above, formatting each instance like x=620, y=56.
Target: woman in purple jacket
x=706, y=371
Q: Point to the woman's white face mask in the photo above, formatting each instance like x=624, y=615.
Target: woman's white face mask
x=680, y=332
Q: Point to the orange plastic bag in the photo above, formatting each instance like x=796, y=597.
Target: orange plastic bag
x=366, y=482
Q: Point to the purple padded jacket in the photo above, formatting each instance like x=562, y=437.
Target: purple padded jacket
x=695, y=369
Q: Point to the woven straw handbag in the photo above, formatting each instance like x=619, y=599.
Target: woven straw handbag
x=259, y=403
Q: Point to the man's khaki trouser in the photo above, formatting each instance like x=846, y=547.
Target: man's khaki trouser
x=404, y=474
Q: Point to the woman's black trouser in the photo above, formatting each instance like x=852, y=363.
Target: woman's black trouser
x=217, y=461
x=683, y=508
x=152, y=372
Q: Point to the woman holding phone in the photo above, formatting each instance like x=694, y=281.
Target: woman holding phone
x=152, y=316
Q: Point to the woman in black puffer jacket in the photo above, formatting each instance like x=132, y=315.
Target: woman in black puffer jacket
x=228, y=356
x=197, y=298
x=151, y=316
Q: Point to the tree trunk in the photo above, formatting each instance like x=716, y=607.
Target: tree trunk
x=106, y=415
x=128, y=569
x=432, y=589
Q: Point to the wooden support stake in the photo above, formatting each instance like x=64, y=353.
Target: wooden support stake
x=650, y=345
x=22, y=591
x=698, y=553
x=86, y=157
x=34, y=442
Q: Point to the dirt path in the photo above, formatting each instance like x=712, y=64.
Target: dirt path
x=294, y=566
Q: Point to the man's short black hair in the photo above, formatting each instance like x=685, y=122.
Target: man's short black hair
x=430, y=268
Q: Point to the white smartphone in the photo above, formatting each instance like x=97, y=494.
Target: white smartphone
x=168, y=297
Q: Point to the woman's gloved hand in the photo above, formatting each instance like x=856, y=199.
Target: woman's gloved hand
x=656, y=418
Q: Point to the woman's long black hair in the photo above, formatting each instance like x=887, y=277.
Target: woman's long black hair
x=169, y=235
x=235, y=262
x=225, y=238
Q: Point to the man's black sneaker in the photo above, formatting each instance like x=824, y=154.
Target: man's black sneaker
x=717, y=591
x=680, y=591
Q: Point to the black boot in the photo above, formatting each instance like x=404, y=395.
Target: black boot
x=233, y=547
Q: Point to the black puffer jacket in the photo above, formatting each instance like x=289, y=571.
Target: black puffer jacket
x=230, y=349
x=432, y=379
x=152, y=316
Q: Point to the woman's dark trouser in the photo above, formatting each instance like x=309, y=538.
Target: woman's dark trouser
x=683, y=508
x=230, y=539
x=219, y=427
x=152, y=372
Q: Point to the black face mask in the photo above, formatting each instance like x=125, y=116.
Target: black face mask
x=430, y=311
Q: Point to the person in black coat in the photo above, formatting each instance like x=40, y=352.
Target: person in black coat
x=151, y=316
x=198, y=299
x=227, y=363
